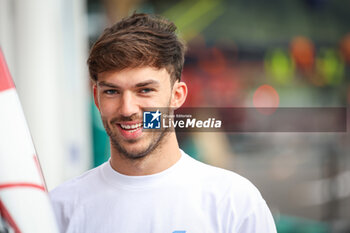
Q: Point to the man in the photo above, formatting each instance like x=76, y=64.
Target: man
x=149, y=185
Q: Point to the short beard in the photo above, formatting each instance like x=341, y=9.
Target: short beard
x=155, y=144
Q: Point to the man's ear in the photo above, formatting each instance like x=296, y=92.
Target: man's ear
x=179, y=94
x=96, y=96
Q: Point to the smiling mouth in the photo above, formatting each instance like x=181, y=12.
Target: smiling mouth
x=131, y=127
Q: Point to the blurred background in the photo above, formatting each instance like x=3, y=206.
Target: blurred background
x=242, y=53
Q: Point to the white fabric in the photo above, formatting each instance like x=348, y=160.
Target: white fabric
x=189, y=197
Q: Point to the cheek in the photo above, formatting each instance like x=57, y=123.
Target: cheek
x=149, y=103
x=158, y=101
x=108, y=108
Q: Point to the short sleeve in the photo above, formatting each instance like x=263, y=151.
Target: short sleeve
x=243, y=209
x=259, y=220
x=62, y=210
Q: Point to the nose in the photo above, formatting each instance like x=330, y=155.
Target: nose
x=128, y=106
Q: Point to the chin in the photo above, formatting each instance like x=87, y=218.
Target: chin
x=138, y=148
x=133, y=151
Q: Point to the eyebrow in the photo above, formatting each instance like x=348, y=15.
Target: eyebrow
x=147, y=82
x=142, y=84
x=107, y=84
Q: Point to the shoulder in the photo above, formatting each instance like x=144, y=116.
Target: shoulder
x=240, y=204
x=222, y=178
x=67, y=196
x=71, y=189
x=230, y=188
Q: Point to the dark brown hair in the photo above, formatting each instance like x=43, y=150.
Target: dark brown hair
x=136, y=41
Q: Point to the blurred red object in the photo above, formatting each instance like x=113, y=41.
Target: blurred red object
x=303, y=53
x=345, y=48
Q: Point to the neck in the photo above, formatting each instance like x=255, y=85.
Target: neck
x=160, y=159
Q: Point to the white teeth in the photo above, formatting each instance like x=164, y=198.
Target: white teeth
x=134, y=127
x=127, y=127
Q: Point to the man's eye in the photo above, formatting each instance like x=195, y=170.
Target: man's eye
x=110, y=92
x=146, y=90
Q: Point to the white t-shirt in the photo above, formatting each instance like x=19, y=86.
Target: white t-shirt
x=189, y=197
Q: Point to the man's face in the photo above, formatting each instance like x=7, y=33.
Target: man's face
x=121, y=97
